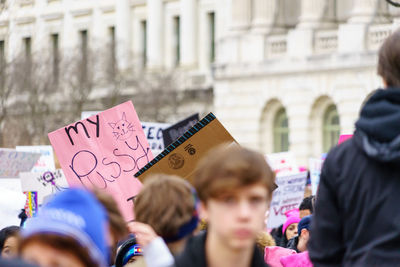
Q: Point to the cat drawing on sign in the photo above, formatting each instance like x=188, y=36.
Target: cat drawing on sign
x=122, y=129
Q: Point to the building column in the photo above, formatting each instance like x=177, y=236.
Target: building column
x=123, y=34
x=188, y=40
x=317, y=14
x=352, y=36
x=369, y=11
x=155, y=34
x=241, y=14
x=268, y=16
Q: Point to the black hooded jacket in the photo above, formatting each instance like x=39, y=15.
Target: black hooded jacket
x=194, y=254
x=357, y=214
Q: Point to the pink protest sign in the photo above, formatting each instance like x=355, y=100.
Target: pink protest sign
x=344, y=137
x=104, y=151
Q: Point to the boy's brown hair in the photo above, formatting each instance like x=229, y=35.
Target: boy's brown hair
x=389, y=60
x=165, y=202
x=62, y=243
x=227, y=168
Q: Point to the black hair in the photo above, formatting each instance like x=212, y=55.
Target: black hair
x=307, y=204
x=123, y=250
x=6, y=233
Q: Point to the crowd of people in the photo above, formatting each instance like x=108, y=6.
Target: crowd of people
x=219, y=220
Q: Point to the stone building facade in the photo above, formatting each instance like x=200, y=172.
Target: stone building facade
x=283, y=74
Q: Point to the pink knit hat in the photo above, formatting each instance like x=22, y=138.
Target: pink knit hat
x=292, y=217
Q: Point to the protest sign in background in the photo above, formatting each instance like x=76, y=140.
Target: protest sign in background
x=12, y=162
x=105, y=151
x=175, y=131
x=44, y=184
x=283, y=163
x=31, y=204
x=154, y=135
x=46, y=160
x=287, y=196
x=315, y=173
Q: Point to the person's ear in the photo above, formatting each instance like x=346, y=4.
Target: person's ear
x=384, y=83
x=203, y=212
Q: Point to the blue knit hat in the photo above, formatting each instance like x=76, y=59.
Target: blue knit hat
x=75, y=213
x=304, y=224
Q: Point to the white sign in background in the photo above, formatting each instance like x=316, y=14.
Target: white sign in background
x=154, y=135
x=46, y=160
x=46, y=183
x=12, y=162
x=287, y=196
x=315, y=173
x=283, y=163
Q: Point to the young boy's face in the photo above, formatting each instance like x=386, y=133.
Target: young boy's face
x=236, y=217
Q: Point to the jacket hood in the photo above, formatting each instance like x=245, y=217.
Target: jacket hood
x=378, y=128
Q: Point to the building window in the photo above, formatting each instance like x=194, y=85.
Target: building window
x=143, y=26
x=2, y=63
x=331, y=128
x=84, y=54
x=28, y=48
x=113, y=59
x=281, y=131
x=56, y=56
x=211, y=23
x=2, y=55
x=177, y=40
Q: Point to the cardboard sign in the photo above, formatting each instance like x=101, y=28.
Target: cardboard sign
x=45, y=184
x=178, y=129
x=12, y=162
x=287, y=196
x=182, y=157
x=154, y=135
x=283, y=163
x=105, y=151
x=315, y=173
x=46, y=160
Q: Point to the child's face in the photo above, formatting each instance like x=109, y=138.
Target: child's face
x=236, y=217
x=46, y=256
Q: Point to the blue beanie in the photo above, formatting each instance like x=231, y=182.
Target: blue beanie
x=75, y=213
x=304, y=224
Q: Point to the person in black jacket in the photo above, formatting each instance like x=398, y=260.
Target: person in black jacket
x=357, y=214
x=235, y=186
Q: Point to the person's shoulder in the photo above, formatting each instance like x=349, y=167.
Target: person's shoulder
x=194, y=253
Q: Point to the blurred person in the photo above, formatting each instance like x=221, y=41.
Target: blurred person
x=289, y=228
x=356, y=218
x=296, y=260
x=299, y=242
x=306, y=207
x=117, y=226
x=235, y=186
x=281, y=233
x=168, y=204
x=9, y=241
x=128, y=252
x=166, y=208
x=70, y=230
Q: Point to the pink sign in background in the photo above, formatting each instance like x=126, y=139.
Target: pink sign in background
x=104, y=151
x=344, y=137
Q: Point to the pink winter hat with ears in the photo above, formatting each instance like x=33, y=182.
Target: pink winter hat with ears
x=293, y=216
